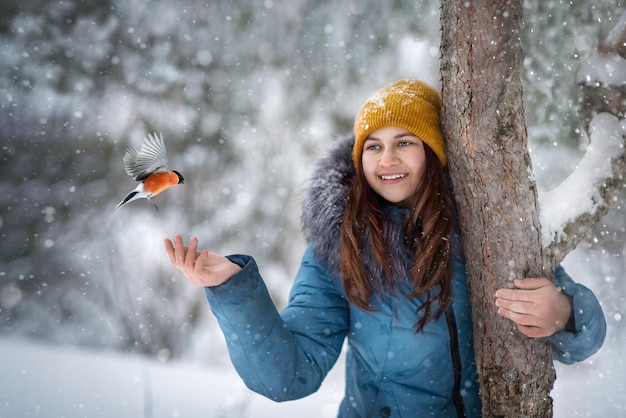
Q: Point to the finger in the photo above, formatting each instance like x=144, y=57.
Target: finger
x=522, y=303
x=514, y=295
x=522, y=319
x=505, y=294
x=532, y=332
x=199, y=266
x=191, y=252
x=531, y=283
x=169, y=248
x=179, y=250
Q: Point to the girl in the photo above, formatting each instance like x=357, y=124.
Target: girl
x=384, y=269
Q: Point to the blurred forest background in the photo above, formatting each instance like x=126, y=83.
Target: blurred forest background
x=247, y=95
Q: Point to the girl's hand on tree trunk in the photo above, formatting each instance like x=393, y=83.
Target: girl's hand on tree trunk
x=537, y=306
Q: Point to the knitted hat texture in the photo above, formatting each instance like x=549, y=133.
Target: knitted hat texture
x=406, y=104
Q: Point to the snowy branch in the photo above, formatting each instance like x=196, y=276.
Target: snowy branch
x=574, y=207
x=615, y=41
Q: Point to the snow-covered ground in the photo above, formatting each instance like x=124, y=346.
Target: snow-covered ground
x=51, y=381
x=46, y=381
x=593, y=388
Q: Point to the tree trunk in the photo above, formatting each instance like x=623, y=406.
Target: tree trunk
x=483, y=120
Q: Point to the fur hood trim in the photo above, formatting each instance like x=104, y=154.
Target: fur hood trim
x=325, y=201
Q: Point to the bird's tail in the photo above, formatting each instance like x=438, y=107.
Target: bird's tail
x=134, y=195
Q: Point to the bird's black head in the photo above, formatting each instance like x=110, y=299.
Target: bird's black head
x=181, y=180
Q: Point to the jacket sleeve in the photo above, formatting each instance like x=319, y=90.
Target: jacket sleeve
x=590, y=325
x=281, y=356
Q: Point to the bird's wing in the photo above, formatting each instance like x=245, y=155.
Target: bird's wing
x=152, y=158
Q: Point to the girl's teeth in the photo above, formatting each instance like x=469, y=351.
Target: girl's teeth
x=395, y=176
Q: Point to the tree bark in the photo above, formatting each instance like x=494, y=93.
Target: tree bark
x=483, y=120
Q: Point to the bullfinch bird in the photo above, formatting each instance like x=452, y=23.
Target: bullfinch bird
x=149, y=166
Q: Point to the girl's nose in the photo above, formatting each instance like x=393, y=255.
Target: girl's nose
x=388, y=158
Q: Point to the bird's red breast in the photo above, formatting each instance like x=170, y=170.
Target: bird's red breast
x=155, y=183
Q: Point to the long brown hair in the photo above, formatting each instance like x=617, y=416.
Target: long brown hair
x=427, y=229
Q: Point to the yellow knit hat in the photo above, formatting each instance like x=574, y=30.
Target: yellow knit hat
x=406, y=104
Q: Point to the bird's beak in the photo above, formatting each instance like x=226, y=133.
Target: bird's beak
x=181, y=180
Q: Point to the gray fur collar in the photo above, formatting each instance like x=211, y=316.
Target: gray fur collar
x=325, y=200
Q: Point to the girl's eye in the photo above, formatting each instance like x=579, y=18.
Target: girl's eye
x=404, y=143
x=372, y=147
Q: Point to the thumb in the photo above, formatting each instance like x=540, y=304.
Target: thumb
x=531, y=283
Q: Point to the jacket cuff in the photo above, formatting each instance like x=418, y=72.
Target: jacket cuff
x=589, y=325
x=240, y=285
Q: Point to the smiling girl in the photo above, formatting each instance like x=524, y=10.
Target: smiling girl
x=383, y=270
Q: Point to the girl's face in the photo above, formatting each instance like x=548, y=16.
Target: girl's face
x=394, y=161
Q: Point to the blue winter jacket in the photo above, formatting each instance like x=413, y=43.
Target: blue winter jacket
x=390, y=370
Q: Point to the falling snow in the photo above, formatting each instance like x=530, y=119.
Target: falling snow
x=247, y=96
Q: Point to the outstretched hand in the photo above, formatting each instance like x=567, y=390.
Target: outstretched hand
x=201, y=268
x=537, y=306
